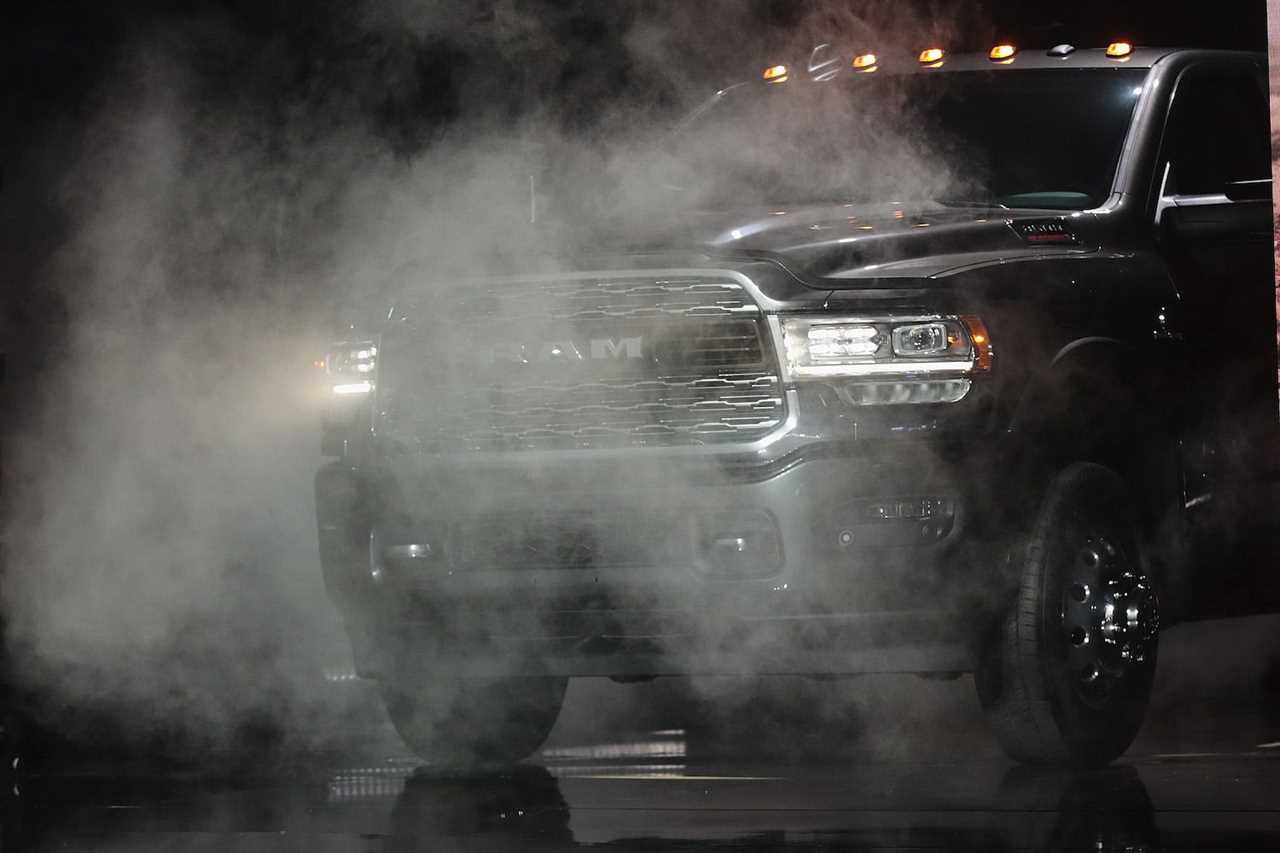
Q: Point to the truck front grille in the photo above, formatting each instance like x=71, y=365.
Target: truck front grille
x=607, y=361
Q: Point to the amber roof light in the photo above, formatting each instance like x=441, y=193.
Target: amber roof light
x=931, y=55
x=1119, y=49
x=1001, y=52
x=865, y=61
x=776, y=74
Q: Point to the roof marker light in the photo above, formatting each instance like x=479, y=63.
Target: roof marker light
x=1002, y=52
x=1062, y=50
x=932, y=56
x=776, y=74
x=865, y=62
x=1119, y=49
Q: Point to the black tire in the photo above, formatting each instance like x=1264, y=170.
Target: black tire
x=468, y=725
x=1062, y=679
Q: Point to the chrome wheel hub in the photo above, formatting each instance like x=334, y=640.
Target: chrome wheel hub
x=1110, y=615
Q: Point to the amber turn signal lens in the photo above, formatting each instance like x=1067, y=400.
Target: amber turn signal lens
x=1002, y=51
x=981, y=338
x=1119, y=49
x=931, y=55
x=776, y=73
x=865, y=61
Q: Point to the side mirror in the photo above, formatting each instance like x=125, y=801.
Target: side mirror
x=1235, y=191
x=1258, y=190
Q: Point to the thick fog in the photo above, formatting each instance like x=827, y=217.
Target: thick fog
x=224, y=193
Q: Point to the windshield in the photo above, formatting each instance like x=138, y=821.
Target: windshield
x=1031, y=139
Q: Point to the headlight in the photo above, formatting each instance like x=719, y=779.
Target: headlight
x=930, y=340
x=896, y=359
x=351, y=367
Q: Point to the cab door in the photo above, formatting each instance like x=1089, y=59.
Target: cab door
x=1214, y=224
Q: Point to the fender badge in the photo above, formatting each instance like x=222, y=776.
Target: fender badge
x=1050, y=231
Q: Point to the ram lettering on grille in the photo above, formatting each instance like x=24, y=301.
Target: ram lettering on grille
x=585, y=363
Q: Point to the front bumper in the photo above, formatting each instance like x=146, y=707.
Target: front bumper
x=833, y=561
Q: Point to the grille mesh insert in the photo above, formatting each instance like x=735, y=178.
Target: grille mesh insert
x=584, y=363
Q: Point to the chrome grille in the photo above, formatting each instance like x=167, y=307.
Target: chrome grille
x=583, y=363
x=613, y=298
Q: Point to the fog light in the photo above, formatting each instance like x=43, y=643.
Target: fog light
x=400, y=550
x=407, y=552
x=739, y=545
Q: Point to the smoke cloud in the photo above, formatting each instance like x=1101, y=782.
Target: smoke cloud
x=227, y=191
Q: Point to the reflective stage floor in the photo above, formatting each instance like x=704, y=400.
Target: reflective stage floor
x=870, y=764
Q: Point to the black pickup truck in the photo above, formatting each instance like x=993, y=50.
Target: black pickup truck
x=1011, y=423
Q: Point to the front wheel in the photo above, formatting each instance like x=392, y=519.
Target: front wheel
x=470, y=724
x=1065, y=676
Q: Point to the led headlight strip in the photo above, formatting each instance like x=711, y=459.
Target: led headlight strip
x=352, y=367
x=917, y=359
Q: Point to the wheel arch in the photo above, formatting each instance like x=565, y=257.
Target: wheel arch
x=1107, y=401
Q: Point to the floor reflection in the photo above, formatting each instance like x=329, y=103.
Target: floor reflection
x=524, y=810
x=1103, y=810
x=615, y=801
x=652, y=791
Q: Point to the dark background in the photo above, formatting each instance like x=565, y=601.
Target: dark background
x=56, y=54
x=57, y=58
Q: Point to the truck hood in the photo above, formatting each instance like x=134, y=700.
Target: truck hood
x=844, y=244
